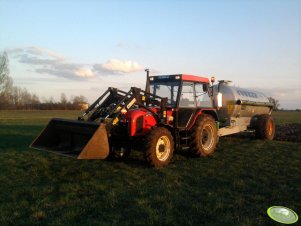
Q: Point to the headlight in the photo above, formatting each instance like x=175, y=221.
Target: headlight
x=123, y=111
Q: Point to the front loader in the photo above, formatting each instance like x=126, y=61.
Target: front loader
x=89, y=136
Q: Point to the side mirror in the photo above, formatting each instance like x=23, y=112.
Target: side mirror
x=219, y=100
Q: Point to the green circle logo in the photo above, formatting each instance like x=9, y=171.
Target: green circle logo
x=282, y=214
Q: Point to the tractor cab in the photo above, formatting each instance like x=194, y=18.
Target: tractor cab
x=186, y=94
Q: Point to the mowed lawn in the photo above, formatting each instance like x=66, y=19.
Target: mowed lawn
x=234, y=187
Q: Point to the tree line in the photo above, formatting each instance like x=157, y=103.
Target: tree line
x=15, y=97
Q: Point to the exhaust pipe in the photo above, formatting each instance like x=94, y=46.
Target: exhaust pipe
x=147, y=85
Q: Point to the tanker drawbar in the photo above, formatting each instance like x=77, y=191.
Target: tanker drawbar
x=79, y=139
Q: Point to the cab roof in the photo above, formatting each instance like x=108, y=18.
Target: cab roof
x=183, y=77
x=194, y=78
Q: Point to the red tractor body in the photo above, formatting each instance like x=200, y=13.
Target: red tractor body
x=140, y=121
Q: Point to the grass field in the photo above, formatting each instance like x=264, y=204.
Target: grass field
x=287, y=117
x=234, y=187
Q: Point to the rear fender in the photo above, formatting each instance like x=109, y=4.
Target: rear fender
x=208, y=111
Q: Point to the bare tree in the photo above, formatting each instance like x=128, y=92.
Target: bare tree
x=5, y=80
x=35, y=99
x=275, y=103
x=79, y=100
x=63, y=101
x=63, y=98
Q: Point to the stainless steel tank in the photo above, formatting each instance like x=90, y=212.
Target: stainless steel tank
x=238, y=102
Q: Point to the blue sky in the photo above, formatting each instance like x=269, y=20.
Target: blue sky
x=82, y=47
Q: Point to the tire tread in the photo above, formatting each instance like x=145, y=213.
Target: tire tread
x=151, y=141
x=195, y=146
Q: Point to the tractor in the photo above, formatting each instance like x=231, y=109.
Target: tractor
x=174, y=112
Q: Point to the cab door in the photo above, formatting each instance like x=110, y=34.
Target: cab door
x=187, y=105
x=202, y=96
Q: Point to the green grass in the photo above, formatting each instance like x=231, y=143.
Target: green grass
x=34, y=117
x=287, y=116
x=234, y=187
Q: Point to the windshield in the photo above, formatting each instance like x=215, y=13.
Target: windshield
x=166, y=89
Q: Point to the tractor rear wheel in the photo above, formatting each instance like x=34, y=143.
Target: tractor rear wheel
x=265, y=127
x=204, y=136
x=159, y=147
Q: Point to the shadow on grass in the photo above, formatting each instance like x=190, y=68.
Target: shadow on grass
x=18, y=137
x=132, y=161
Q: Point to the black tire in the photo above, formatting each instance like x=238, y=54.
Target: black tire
x=159, y=147
x=118, y=152
x=265, y=127
x=204, y=136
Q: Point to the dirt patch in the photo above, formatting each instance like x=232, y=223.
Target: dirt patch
x=288, y=132
x=284, y=132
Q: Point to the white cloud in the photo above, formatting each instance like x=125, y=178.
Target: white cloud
x=45, y=52
x=49, y=62
x=120, y=66
x=28, y=59
x=35, y=51
x=84, y=72
x=70, y=71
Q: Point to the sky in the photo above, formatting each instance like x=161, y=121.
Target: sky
x=82, y=47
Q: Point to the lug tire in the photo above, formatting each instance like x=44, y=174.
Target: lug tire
x=265, y=127
x=159, y=147
x=204, y=136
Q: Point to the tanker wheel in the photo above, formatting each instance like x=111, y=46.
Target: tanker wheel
x=204, y=136
x=265, y=127
x=118, y=152
x=159, y=147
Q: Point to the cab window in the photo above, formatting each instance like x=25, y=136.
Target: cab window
x=202, y=97
x=187, y=95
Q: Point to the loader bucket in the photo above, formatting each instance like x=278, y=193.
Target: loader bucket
x=79, y=139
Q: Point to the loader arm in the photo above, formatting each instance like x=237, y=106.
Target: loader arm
x=109, y=104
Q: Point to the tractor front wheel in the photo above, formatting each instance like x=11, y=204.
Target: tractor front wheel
x=204, y=136
x=159, y=147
